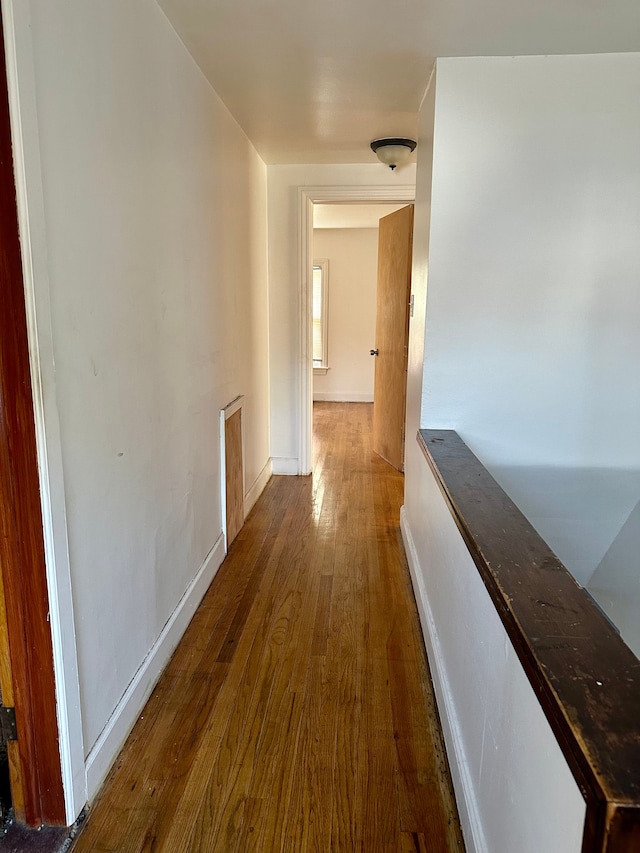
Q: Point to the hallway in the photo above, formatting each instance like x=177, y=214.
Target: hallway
x=297, y=713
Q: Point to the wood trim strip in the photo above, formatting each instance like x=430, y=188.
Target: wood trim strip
x=234, y=475
x=586, y=679
x=234, y=406
x=21, y=538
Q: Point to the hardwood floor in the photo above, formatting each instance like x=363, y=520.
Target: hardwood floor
x=297, y=713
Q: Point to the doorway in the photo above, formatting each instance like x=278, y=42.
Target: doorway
x=345, y=274
x=308, y=197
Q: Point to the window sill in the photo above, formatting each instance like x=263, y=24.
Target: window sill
x=320, y=371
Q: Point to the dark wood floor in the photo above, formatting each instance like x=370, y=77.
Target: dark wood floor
x=297, y=714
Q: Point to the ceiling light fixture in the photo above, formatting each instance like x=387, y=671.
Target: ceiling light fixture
x=393, y=150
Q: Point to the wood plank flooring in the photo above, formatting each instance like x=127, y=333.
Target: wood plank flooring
x=297, y=713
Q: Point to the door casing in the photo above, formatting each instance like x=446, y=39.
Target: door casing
x=28, y=674
x=307, y=197
x=27, y=167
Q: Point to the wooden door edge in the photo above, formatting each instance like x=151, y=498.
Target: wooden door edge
x=35, y=764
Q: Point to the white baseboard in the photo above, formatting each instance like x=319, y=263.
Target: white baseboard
x=463, y=785
x=258, y=487
x=285, y=465
x=112, y=738
x=341, y=397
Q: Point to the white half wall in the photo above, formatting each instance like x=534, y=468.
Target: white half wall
x=284, y=287
x=353, y=279
x=154, y=226
x=513, y=786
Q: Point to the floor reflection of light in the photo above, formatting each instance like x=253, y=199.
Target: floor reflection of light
x=317, y=499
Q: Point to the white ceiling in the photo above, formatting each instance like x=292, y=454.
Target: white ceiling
x=314, y=81
x=351, y=215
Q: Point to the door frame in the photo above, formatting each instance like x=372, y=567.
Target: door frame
x=18, y=44
x=307, y=197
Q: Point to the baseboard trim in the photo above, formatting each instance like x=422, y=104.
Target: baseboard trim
x=341, y=397
x=463, y=785
x=285, y=465
x=257, y=488
x=106, y=748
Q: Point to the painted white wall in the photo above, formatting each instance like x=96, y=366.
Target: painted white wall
x=351, y=215
x=154, y=225
x=615, y=584
x=534, y=304
x=284, y=332
x=419, y=276
x=513, y=787
x=579, y=512
x=353, y=274
x=533, y=299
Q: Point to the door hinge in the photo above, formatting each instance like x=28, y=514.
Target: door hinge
x=8, y=728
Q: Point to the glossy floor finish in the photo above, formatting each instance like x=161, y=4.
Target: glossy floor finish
x=297, y=713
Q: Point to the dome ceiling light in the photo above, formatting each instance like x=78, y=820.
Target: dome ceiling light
x=393, y=150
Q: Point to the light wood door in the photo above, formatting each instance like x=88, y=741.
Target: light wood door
x=395, y=243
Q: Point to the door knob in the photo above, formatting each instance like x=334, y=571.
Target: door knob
x=374, y=352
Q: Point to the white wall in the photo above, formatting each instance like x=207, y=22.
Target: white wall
x=513, y=787
x=532, y=338
x=154, y=224
x=284, y=332
x=615, y=584
x=579, y=512
x=353, y=275
x=534, y=307
x=352, y=215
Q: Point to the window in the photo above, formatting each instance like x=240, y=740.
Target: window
x=320, y=312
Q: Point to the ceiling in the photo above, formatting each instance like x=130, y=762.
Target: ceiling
x=351, y=215
x=314, y=81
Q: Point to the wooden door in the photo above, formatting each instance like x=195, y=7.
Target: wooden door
x=395, y=243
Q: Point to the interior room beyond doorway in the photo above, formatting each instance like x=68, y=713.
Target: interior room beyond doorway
x=345, y=258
